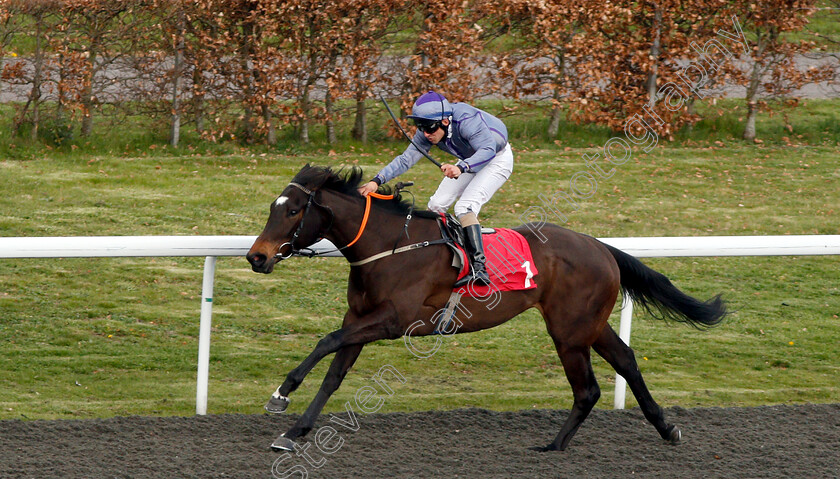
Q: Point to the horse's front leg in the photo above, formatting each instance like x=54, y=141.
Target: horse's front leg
x=279, y=401
x=378, y=324
x=343, y=361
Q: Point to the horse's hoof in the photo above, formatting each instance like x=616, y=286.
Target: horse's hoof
x=550, y=447
x=277, y=404
x=675, y=435
x=283, y=443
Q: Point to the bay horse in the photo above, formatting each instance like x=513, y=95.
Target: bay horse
x=578, y=283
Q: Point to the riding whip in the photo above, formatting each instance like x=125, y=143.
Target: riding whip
x=396, y=122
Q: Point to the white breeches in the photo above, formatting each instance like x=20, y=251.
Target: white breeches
x=473, y=190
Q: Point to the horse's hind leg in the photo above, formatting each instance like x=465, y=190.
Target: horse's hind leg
x=622, y=359
x=576, y=363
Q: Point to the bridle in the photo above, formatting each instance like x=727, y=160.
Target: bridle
x=279, y=256
x=395, y=250
x=311, y=253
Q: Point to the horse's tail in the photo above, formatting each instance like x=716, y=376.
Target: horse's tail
x=655, y=292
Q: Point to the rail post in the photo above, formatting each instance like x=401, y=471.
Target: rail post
x=204, y=335
x=624, y=334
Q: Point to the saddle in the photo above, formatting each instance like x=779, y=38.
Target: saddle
x=509, y=261
x=510, y=265
x=451, y=229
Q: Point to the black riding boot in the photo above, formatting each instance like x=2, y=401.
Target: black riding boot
x=475, y=251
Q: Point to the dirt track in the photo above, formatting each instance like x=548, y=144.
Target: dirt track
x=777, y=442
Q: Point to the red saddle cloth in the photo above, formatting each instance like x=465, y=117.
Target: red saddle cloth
x=509, y=264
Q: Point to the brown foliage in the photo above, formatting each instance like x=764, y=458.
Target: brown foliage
x=244, y=69
x=769, y=69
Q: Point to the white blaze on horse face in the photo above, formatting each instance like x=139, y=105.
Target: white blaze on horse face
x=281, y=200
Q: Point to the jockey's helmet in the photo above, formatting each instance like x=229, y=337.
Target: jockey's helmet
x=431, y=106
x=429, y=110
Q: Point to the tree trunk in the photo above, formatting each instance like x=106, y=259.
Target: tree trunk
x=655, y=50
x=198, y=98
x=62, y=90
x=305, y=100
x=247, y=65
x=175, y=131
x=360, y=123
x=556, y=114
x=426, y=29
x=87, y=94
x=248, y=114
x=691, y=110
x=752, y=105
x=329, y=122
x=34, y=98
x=270, y=130
x=749, y=129
x=36, y=79
x=559, y=59
x=303, y=133
x=757, y=72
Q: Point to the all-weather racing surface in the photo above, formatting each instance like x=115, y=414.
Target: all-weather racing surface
x=756, y=442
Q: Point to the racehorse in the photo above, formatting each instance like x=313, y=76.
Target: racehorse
x=578, y=282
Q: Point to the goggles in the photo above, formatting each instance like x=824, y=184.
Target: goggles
x=427, y=126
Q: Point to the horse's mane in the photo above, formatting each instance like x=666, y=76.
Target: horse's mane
x=347, y=181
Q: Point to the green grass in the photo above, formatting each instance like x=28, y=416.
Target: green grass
x=813, y=123
x=823, y=23
x=104, y=337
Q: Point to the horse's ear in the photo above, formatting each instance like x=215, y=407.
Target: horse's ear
x=306, y=167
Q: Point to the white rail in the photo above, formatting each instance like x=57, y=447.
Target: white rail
x=648, y=247
x=152, y=246
x=214, y=246
x=130, y=246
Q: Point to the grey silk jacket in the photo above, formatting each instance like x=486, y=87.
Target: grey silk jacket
x=476, y=138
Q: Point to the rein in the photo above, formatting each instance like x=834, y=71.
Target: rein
x=402, y=249
x=367, y=214
x=393, y=250
x=362, y=227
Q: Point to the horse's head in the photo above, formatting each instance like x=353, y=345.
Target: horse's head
x=296, y=220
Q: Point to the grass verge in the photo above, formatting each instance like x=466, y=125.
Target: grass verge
x=104, y=337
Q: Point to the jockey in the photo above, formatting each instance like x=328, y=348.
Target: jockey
x=479, y=141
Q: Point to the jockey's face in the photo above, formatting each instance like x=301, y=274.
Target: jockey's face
x=435, y=137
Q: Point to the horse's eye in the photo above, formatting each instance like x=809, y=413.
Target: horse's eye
x=293, y=212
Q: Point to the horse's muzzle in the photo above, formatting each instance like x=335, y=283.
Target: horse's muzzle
x=261, y=263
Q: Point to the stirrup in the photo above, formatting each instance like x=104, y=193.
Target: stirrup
x=463, y=281
x=476, y=279
x=481, y=278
